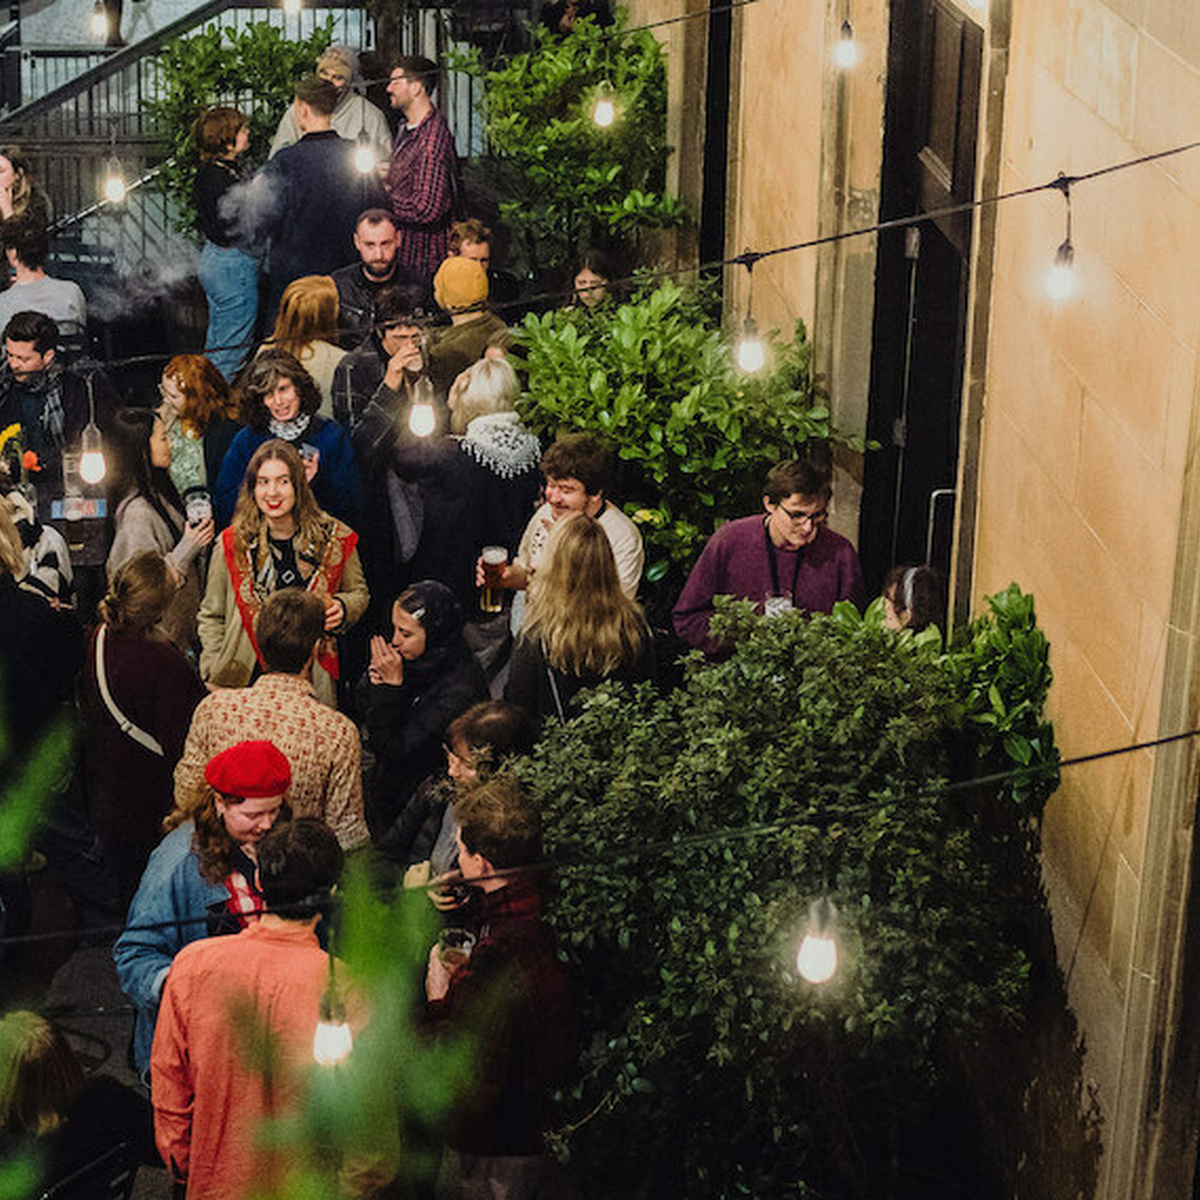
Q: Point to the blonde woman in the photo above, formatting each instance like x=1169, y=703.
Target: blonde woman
x=580, y=628
x=307, y=328
x=279, y=537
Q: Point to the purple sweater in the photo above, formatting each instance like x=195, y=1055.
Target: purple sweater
x=735, y=563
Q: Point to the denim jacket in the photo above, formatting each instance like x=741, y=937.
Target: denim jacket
x=171, y=889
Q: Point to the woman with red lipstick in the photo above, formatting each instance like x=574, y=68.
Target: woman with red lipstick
x=279, y=537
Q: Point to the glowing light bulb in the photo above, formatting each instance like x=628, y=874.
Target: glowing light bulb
x=92, y=466
x=291, y=7
x=845, y=53
x=1060, y=279
x=364, y=155
x=99, y=22
x=421, y=419
x=751, y=353
x=332, y=1042
x=817, y=960
x=604, y=111
x=115, y=190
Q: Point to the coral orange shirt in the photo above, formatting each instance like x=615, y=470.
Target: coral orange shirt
x=211, y=1083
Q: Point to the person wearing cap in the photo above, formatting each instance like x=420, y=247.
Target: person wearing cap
x=209, y=1094
x=352, y=115
x=200, y=880
x=460, y=288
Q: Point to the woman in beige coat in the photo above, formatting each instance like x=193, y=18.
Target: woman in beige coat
x=278, y=538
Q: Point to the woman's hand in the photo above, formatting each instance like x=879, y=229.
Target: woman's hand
x=386, y=665
x=335, y=614
x=201, y=534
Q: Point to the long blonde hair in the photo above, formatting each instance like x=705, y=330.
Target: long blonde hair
x=12, y=554
x=313, y=525
x=576, y=606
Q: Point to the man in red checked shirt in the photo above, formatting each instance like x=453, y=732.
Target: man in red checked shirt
x=422, y=177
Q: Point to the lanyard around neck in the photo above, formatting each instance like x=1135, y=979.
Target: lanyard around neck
x=775, y=566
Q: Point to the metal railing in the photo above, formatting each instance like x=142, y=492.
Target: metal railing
x=71, y=133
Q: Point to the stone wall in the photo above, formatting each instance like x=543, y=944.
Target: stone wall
x=1084, y=464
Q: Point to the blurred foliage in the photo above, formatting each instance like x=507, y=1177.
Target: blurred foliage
x=655, y=378
x=813, y=763
x=565, y=182
x=253, y=69
x=33, y=777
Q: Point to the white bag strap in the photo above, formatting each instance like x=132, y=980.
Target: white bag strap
x=123, y=722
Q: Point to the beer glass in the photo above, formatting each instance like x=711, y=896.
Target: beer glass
x=491, y=596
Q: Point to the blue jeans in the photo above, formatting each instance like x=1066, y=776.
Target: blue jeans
x=230, y=281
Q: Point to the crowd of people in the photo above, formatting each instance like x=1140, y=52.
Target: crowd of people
x=315, y=596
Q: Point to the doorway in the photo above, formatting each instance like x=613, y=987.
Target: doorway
x=935, y=59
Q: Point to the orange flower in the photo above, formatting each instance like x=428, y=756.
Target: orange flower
x=29, y=460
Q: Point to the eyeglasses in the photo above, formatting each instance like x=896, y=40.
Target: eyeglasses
x=802, y=518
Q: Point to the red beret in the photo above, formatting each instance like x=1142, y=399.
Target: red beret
x=250, y=770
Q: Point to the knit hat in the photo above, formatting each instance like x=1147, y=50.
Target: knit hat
x=340, y=56
x=251, y=770
x=460, y=285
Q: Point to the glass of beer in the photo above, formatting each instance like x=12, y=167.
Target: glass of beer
x=491, y=597
x=454, y=947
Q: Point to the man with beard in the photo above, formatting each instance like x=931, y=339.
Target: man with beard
x=422, y=179
x=360, y=284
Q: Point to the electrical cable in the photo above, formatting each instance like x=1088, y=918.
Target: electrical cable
x=587, y=856
x=751, y=257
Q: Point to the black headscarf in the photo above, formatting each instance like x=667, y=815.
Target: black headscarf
x=436, y=608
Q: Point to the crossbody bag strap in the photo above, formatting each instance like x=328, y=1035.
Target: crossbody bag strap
x=125, y=725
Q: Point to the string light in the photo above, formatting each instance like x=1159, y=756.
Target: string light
x=751, y=354
x=845, y=51
x=1060, y=279
x=604, y=111
x=98, y=21
x=817, y=960
x=332, y=1040
x=115, y=189
x=421, y=418
x=364, y=153
x=92, y=465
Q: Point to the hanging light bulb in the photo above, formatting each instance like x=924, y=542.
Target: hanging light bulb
x=364, y=153
x=751, y=353
x=421, y=417
x=92, y=467
x=332, y=1041
x=604, y=111
x=98, y=22
x=1060, y=279
x=291, y=7
x=817, y=960
x=115, y=190
x=845, y=52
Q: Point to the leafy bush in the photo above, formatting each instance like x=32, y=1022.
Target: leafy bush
x=694, y=435
x=567, y=181
x=254, y=69
x=692, y=832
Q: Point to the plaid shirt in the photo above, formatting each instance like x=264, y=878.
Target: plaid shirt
x=423, y=187
x=322, y=746
x=513, y=993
